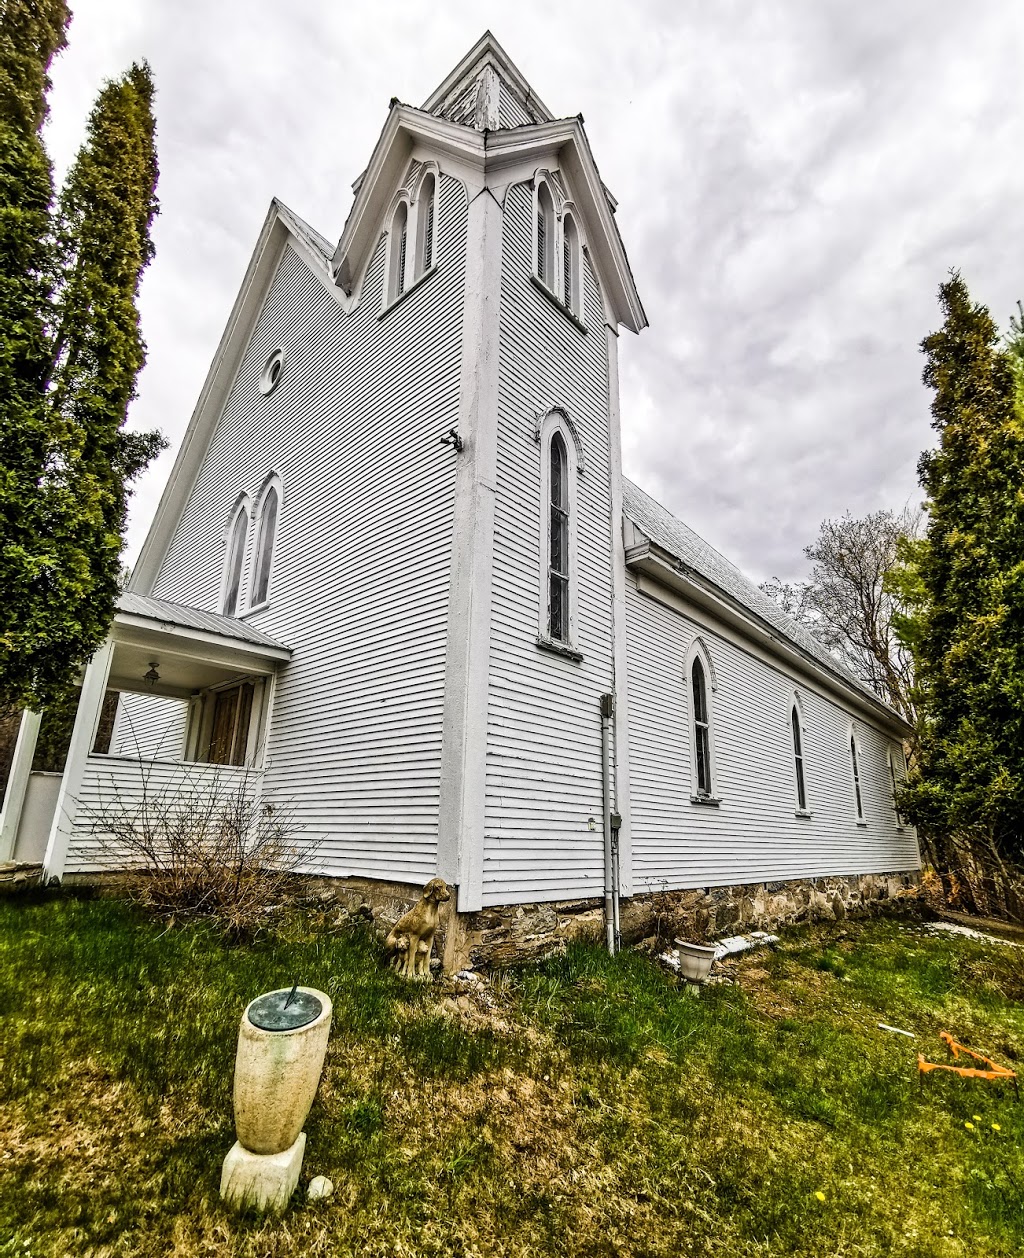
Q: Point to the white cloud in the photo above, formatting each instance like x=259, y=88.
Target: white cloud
x=795, y=178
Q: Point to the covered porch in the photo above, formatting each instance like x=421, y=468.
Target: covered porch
x=175, y=694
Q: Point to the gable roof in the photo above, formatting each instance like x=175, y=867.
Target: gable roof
x=698, y=558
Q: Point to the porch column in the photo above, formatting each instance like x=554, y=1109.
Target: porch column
x=17, y=783
x=94, y=687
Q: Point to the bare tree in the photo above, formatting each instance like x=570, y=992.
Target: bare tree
x=850, y=607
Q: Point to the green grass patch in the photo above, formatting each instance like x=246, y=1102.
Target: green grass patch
x=586, y=1106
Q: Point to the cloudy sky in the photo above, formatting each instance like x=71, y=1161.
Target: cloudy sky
x=795, y=178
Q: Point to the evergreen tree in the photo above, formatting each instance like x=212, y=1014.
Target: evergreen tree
x=970, y=629
x=30, y=36
x=65, y=466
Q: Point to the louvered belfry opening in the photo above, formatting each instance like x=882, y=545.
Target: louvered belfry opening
x=558, y=560
x=545, y=236
x=427, y=195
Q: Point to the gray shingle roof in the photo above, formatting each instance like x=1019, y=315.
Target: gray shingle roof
x=695, y=553
x=193, y=618
x=319, y=244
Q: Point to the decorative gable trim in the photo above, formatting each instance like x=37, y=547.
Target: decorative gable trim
x=491, y=159
x=470, y=78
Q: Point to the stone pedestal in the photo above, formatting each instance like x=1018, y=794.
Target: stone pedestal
x=263, y=1180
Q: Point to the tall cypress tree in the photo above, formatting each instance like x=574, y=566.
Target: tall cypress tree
x=67, y=461
x=31, y=33
x=971, y=568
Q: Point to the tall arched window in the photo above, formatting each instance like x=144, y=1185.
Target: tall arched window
x=798, y=761
x=234, y=559
x=545, y=236
x=701, y=729
x=856, y=778
x=558, y=541
x=895, y=785
x=265, y=537
x=425, y=211
x=398, y=243
x=570, y=264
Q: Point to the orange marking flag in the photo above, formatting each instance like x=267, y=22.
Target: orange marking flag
x=994, y=1071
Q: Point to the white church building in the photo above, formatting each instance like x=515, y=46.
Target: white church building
x=398, y=581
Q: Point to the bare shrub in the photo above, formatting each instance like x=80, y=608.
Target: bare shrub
x=202, y=845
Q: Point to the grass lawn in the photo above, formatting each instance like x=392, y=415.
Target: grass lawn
x=586, y=1107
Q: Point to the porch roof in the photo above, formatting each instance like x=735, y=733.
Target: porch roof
x=190, y=648
x=181, y=616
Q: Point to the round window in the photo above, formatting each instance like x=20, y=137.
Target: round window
x=272, y=372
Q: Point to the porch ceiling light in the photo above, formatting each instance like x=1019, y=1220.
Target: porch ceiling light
x=152, y=676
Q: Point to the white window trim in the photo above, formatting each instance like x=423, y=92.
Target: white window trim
x=541, y=180
x=391, y=295
x=856, y=781
x=419, y=222
x=796, y=706
x=699, y=650
x=575, y=309
x=897, y=780
x=557, y=421
x=242, y=503
x=273, y=481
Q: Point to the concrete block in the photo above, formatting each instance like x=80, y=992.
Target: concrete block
x=263, y=1180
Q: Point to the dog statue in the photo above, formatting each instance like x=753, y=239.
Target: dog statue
x=408, y=946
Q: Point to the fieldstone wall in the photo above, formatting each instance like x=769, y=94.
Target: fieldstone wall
x=519, y=933
x=524, y=932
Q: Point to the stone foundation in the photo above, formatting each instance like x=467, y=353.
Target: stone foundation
x=518, y=933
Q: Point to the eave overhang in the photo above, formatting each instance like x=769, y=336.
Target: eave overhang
x=661, y=566
x=488, y=155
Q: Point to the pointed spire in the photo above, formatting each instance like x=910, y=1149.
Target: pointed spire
x=487, y=91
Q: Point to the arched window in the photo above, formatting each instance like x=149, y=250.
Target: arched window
x=701, y=729
x=856, y=777
x=570, y=264
x=798, y=761
x=397, y=249
x=895, y=785
x=265, y=537
x=545, y=236
x=561, y=466
x=558, y=540
x=425, y=212
x=239, y=531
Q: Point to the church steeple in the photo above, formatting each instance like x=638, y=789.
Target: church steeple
x=487, y=91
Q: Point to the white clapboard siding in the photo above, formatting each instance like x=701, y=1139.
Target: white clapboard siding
x=151, y=727
x=754, y=835
x=543, y=735
x=361, y=565
x=140, y=793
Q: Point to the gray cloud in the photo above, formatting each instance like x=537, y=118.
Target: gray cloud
x=795, y=178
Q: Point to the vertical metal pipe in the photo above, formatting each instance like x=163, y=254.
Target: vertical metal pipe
x=610, y=890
